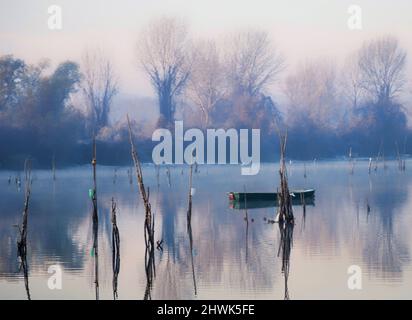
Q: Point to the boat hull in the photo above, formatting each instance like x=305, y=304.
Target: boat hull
x=269, y=196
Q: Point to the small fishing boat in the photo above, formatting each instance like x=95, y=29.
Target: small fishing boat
x=270, y=196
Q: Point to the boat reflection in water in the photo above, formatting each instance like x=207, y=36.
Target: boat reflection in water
x=248, y=200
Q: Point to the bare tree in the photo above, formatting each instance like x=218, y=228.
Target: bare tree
x=206, y=85
x=253, y=62
x=352, y=81
x=99, y=87
x=162, y=49
x=382, y=63
x=311, y=93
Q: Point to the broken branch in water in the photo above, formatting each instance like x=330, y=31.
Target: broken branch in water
x=94, y=194
x=169, y=178
x=351, y=162
x=95, y=219
x=22, y=243
x=285, y=203
x=115, y=249
x=114, y=175
x=54, y=167
x=158, y=176
x=189, y=228
x=149, y=219
x=149, y=232
x=189, y=210
x=370, y=166
x=247, y=226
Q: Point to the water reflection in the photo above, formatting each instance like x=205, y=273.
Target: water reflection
x=217, y=253
x=150, y=271
x=25, y=269
x=385, y=250
x=95, y=253
x=285, y=248
x=189, y=232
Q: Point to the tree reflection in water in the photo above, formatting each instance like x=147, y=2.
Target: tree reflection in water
x=285, y=248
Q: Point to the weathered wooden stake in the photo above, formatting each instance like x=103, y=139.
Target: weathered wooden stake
x=189, y=228
x=95, y=221
x=115, y=249
x=285, y=203
x=54, y=167
x=149, y=219
x=22, y=243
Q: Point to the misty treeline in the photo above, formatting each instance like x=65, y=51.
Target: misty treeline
x=36, y=116
x=325, y=106
x=50, y=115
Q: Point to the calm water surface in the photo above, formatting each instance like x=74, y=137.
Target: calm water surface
x=228, y=257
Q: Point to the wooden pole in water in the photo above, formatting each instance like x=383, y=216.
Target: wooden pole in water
x=22, y=243
x=351, y=163
x=158, y=176
x=304, y=170
x=370, y=165
x=95, y=219
x=115, y=249
x=404, y=155
x=169, y=179
x=143, y=192
x=149, y=219
x=285, y=204
x=189, y=211
x=247, y=227
x=54, y=167
x=114, y=175
x=94, y=162
x=189, y=228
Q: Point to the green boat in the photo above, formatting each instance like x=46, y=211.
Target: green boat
x=297, y=195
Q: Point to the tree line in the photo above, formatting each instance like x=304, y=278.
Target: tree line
x=326, y=108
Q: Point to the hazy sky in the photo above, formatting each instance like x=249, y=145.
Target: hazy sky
x=301, y=29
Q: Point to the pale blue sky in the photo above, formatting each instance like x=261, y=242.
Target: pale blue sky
x=301, y=29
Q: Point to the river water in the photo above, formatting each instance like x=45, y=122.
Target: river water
x=358, y=227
